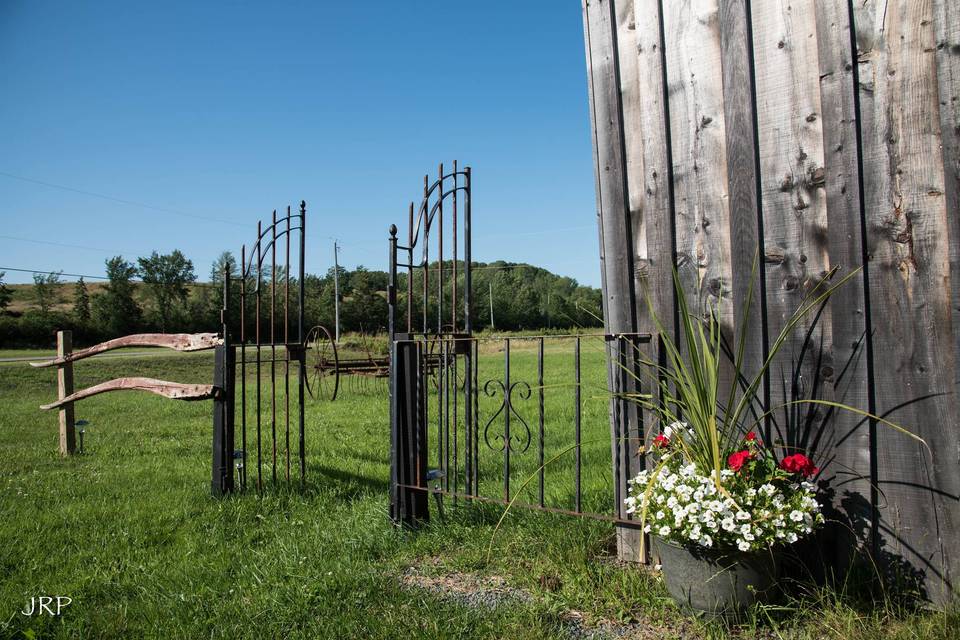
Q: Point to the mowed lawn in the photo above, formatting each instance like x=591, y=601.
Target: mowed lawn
x=130, y=532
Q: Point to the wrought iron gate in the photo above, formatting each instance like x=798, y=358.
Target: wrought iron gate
x=524, y=431
x=266, y=345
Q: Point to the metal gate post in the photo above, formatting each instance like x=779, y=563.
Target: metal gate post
x=222, y=481
x=408, y=454
x=224, y=374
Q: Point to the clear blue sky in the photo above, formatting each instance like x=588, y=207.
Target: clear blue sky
x=229, y=110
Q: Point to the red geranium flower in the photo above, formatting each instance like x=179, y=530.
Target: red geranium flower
x=799, y=463
x=751, y=437
x=661, y=441
x=736, y=460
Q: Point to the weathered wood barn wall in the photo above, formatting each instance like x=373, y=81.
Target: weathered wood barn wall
x=815, y=134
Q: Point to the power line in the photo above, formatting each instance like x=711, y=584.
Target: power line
x=133, y=203
x=63, y=244
x=90, y=277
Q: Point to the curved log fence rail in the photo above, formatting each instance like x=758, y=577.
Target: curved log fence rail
x=173, y=390
x=269, y=320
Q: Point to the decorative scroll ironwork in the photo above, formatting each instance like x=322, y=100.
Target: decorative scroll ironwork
x=490, y=390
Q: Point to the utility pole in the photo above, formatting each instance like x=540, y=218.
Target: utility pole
x=491, y=305
x=336, y=293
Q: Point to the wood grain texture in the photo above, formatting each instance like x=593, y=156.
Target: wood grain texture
x=629, y=462
x=796, y=255
x=844, y=449
x=946, y=20
x=910, y=291
x=68, y=434
x=175, y=341
x=698, y=139
x=172, y=390
x=843, y=106
x=616, y=229
x=745, y=240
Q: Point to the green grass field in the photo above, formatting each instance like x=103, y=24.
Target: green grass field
x=129, y=531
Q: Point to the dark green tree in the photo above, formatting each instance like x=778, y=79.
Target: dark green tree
x=5, y=294
x=167, y=277
x=115, y=310
x=46, y=289
x=81, y=302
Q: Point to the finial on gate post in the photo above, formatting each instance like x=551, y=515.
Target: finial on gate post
x=303, y=207
x=393, y=231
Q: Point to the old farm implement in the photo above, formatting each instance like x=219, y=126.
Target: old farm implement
x=356, y=366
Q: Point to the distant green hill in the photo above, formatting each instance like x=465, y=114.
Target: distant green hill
x=522, y=296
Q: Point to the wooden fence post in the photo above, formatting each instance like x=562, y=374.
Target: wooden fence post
x=68, y=437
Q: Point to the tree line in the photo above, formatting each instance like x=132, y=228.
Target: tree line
x=161, y=293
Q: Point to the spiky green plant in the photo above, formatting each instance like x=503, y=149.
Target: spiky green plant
x=689, y=383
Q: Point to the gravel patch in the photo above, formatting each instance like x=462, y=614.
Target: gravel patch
x=488, y=592
x=466, y=588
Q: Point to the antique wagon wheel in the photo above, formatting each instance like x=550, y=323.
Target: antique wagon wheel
x=323, y=365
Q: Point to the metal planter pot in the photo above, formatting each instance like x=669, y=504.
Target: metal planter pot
x=718, y=582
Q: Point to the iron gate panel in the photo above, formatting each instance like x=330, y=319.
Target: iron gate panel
x=267, y=344
x=460, y=432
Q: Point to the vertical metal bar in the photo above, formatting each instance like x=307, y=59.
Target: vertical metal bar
x=259, y=287
x=467, y=266
x=638, y=388
x=438, y=364
x=506, y=419
x=425, y=212
x=273, y=342
x=453, y=297
x=286, y=347
x=229, y=380
x=422, y=414
x=440, y=250
x=476, y=417
x=221, y=463
x=540, y=413
x=396, y=440
x=243, y=365
x=446, y=413
x=618, y=421
x=576, y=461
x=625, y=430
x=301, y=353
x=467, y=417
x=455, y=394
x=410, y=272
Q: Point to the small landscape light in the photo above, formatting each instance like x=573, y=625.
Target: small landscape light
x=81, y=424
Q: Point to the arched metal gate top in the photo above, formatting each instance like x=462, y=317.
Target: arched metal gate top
x=440, y=222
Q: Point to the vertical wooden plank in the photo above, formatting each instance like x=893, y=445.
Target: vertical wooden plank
x=790, y=142
x=600, y=34
x=68, y=438
x=625, y=451
x=698, y=142
x=844, y=452
x=745, y=233
x=947, y=22
x=910, y=289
